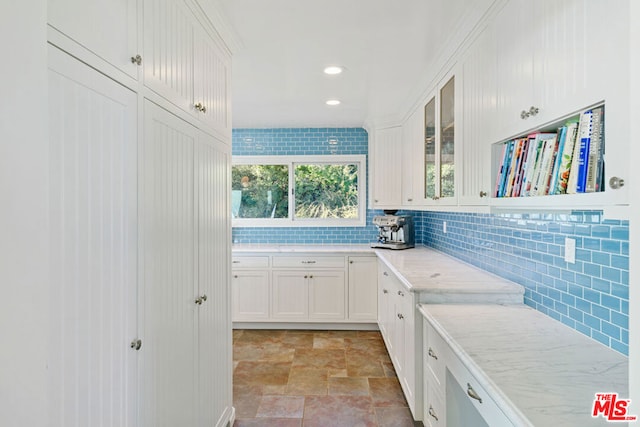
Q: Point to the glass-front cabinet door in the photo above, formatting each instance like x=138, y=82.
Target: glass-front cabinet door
x=439, y=145
x=430, y=149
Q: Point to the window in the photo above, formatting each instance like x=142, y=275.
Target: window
x=298, y=191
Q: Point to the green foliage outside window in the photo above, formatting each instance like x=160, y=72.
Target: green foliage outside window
x=326, y=191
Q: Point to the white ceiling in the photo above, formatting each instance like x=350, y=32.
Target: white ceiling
x=386, y=47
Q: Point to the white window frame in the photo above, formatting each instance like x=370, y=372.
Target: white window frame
x=291, y=161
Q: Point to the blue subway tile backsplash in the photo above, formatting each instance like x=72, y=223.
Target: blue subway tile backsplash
x=590, y=295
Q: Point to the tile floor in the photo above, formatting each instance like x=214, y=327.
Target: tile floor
x=315, y=378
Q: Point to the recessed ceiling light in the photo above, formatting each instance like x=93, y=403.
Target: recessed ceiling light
x=333, y=102
x=333, y=69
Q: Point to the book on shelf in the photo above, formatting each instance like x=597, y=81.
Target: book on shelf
x=553, y=178
x=506, y=163
x=543, y=169
x=594, y=150
x=515, y=167
x=567, y=156
x=533, y=173
x=585, y=143
x=499, y=176
x=517, y=184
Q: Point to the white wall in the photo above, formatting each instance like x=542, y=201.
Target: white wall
x=23, y=213
x=634, y=224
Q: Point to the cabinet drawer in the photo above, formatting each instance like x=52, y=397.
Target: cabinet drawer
x=467, y=400
x=250, y=262
x=434, y=409
x=308, y=261
x=435, y=350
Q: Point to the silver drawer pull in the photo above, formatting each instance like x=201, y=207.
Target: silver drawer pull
x=384, y=273
x=236, y=262
x=472, y=393
x=432, y=354
x=433, y=413
x=308, y=262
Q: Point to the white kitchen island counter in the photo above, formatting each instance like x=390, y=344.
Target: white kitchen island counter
x=539, y=371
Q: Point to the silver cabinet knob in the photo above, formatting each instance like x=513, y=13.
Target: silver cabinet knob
x=400, y=316
x=616, y=183
x=198, y=106
x=533, y=110
x=384, y=291
x=524, y=115
x=401, y=293
x=483, y=193
x=201, y=299
x=136, y=344
x=136, y=60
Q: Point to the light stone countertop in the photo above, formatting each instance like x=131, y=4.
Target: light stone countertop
x=533, y=366
x=423, y=269
x=441, y=277
x=271, y=248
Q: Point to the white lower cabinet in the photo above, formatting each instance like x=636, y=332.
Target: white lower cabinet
x=250, y=295
x=327, y=295
x=363, y=288
x=304, y=288
x=396, y=319
x=290, y=295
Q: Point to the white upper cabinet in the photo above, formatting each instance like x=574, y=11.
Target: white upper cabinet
x=554, y=58
x=441, y=127
x=412, y=167
x=386, y=152
x=88, y=22
x=168, y=51
x=185, y=63
x=212, y=77
x=479, y=107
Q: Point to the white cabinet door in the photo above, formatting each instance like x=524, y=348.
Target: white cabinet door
x=106, y=28
x=479, y=107
x=170, y=275
x=212, y=162
x=169, y=31
x=250, y=295
x=290, y=295
x=212, y=82
x=516, y=68
x=387, y=179
x=363, y=288
x=327, y=295
x=93, y=222
x=412, y=159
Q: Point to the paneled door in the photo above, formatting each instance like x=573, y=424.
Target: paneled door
x=212, y=80
x=93, y=248
x=170, y=274
x=212, y=180
x=168, y=51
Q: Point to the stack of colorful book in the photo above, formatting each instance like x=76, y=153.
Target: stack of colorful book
x=568, y=161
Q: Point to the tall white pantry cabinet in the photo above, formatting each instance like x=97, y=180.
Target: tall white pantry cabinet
x=140, y=314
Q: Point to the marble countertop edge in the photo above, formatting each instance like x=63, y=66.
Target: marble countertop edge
x=506, y=405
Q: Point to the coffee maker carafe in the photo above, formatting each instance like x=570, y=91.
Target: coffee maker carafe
x=394, y=231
